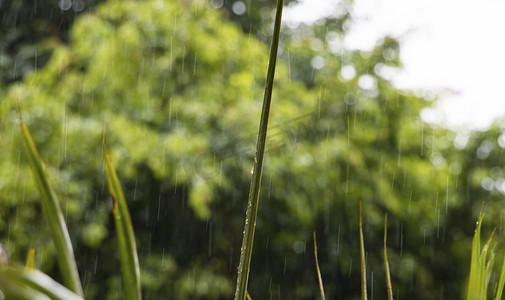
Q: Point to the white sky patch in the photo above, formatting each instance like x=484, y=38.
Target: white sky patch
x=308, y=11
x=453, y=46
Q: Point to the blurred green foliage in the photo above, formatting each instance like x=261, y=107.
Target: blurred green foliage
x=176, y=88
x=30, y=29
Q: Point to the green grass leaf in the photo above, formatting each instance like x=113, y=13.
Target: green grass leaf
x=252, y=204
x=319, y=278
x=362, y=255
x=389, y=286
x=501, y=282
x=52, y=213
x=474, y=281
x=30, y=259
x=480, y=266
x=130, y=272
x=19, y=283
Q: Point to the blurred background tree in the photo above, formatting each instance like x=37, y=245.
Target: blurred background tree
x=176, y=88
x=29, y=30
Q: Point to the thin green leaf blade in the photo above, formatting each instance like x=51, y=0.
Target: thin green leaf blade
x=389, y=286
x=319, y=278
x=253, y=200
x=501, y=282
x=130, y=272
x=481, y=264
x=475, y=270
x=20, y=292
x=362, y=255
x=487, y=264
x=30, y=259
x=53, y=215
x=19, y=283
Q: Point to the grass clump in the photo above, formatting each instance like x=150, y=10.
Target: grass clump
x=28, y=283
x=362, y=260
x=481, y=267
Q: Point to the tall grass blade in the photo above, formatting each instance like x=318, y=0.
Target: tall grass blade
x=252, y=203
x=501, y=282
x=30, y=259
x=487, y=264
x=362, y=255
x=53, y=215
x=389, y=287
x=19, y=283
x=130, y=272
x=480, y=266
x=475, y=278
x=319, y=278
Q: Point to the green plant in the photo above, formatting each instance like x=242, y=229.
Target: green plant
x=362, y=254
x=363, y=258
x=481, y=267
x=130, y=272
x=252, y=203
x=27, y=283
x=389, y=286
x=53, y=215
x=319, y=278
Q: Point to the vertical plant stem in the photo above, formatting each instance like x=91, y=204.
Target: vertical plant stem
x=386, y=263
x=319, y=278
x=252, y=203
x=362, y=254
